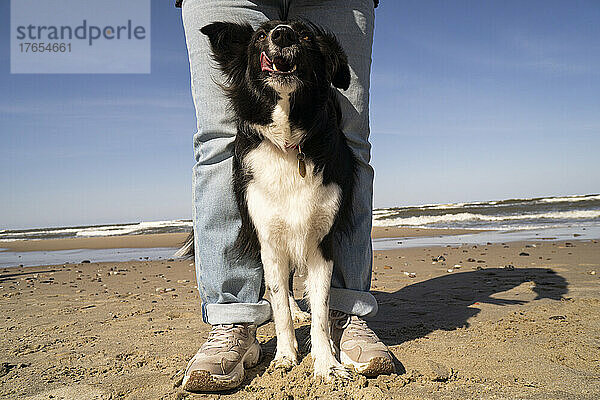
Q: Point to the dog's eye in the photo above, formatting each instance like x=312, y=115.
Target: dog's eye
x=261, y=36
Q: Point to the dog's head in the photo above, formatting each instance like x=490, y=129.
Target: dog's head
x=281, y=55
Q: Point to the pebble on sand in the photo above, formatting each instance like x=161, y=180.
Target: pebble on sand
x=436, y=372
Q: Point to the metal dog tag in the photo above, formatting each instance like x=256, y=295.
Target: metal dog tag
x=301, y=164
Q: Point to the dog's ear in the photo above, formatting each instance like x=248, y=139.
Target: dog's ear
x=337, y=62
x=229, y=43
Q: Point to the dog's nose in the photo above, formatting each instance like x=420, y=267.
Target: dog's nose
x=284, y=36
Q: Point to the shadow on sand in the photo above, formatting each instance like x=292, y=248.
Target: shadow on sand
x=445, y=302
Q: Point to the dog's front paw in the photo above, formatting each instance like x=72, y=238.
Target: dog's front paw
x=286, y=362
x=331, y=371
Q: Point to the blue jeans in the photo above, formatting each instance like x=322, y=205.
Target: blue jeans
x=232, y=292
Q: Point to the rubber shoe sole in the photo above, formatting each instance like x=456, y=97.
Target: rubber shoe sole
x=204, y=381
x=374, y=367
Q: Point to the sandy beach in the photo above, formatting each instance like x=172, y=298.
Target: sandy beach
x=500, y=321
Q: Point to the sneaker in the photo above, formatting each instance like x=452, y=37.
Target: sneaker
x=221, y=362
x=358, y=346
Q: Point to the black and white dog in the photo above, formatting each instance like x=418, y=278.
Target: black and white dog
x=294, y=172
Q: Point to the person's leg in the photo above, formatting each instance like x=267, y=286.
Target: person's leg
x=352, y=22
x=231, y=292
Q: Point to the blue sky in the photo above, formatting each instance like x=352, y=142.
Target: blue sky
x=470, y=100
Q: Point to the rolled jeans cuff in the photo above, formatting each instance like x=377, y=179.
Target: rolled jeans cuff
x=353, y=302
x=237, y=313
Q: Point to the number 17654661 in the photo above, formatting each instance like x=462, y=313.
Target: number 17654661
x=41, y=47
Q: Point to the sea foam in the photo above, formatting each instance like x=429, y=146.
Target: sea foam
x=433, y=219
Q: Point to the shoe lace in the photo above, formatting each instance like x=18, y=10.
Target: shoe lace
x=223, y=335
x=361, y=330
x=353, y=326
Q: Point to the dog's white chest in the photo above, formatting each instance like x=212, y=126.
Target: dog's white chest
x=287, y=210
x=279, y=132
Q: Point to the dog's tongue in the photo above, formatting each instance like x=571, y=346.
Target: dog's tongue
x=265, y=62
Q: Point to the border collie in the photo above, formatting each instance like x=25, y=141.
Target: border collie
x=293, y=171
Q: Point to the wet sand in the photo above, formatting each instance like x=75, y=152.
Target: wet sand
x=483, y=322
x=110, y=242
x=176, y=239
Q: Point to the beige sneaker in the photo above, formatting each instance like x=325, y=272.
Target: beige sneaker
x=221, y=362
x=358, y=346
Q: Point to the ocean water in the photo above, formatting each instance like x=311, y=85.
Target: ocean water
x=484, y=237
x=134, y=228
x=513, y=214
x=506, y=215
x=56, y=257
x=544, y=218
